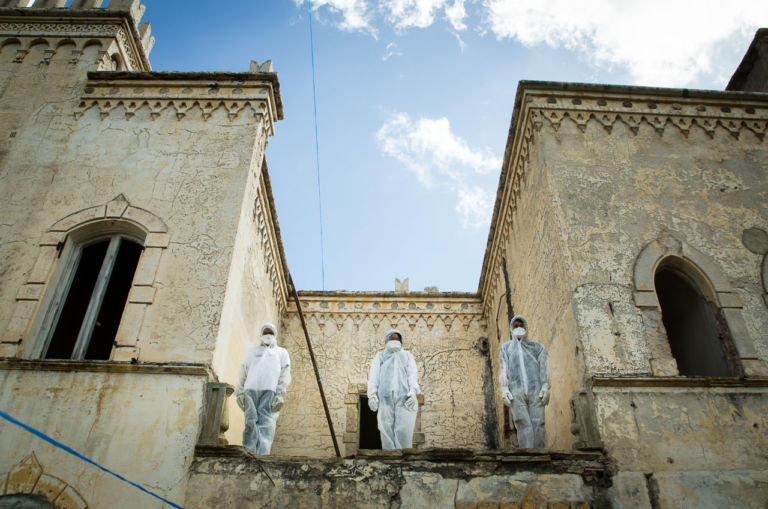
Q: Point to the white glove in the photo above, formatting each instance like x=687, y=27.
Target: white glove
x=277, y=402
x=373, y=402
x=506, y=397
x=544, y=394
x=412, y=404
x=241, y=401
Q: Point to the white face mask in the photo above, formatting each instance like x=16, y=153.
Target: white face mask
x=268, y=339
x=518, y=332
x=394, y=345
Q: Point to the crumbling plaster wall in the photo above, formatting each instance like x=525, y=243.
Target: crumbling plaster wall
x=149, y=441
x=230, y=480
x=540, y=285
x=25, y=120
x=255, y=287
x=704, y=446
x=188, y=167
x=618, y=191
x=43, y=61
x=442, y=333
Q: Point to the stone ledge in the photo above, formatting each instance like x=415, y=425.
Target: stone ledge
x=591, y=465
x=679, y=381
x=530, y=478
x=8, y=364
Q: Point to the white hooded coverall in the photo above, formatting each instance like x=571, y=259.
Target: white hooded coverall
x=393, y=378
x=263, y=378
x=524, y=372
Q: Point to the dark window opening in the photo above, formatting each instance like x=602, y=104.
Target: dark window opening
x=22, y=501
x=696, y=340
x=72, y=313
x=93, y=305
x=368, y=428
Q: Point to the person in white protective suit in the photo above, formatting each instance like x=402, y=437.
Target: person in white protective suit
x=392, y=389
x=525, y=384
x=262, y=380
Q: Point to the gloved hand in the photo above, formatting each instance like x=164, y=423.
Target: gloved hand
x=241, y=401
x=277, y=401
x=506, y=397
x=412, y=404
x=373, y=402
x=544, y=394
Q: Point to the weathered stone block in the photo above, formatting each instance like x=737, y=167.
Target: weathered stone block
x=141, y=216
x=147, y=268
x=30, y=292
x=43, y=264
x=141, y=295
x=50, y=487
x=70, y=499
x=729, y=300
x=427, y=490
x=629, y=491
x=24, y=476
x=79, y=217
x=646, y=299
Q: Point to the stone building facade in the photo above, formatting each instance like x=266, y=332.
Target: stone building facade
x=139, y=203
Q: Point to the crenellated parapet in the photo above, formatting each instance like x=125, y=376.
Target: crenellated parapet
x=391, y=310
x=186, y=95
x=112, y=37
x=542, y=105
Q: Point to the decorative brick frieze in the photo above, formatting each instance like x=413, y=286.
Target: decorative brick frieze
x=202, y=93
x=390, y=310
x=552, y=105
x=270, y=247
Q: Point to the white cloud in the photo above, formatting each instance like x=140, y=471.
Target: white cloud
x=358, y=15
x=355, y=14
x=661, y=42
x=404, y=14
x=391, y=51
x=475, y=206
x=438, y=157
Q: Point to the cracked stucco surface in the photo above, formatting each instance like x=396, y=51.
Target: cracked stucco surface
x=450, y=369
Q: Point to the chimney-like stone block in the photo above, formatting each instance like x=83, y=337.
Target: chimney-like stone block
x=86, y=4
x=133, y=6
x=48, y=4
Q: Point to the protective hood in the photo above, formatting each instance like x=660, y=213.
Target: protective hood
x=271, y=339
x=391, y=332
x=525, y=324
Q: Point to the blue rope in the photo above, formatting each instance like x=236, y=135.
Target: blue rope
x=319, y=193
x=78, y=455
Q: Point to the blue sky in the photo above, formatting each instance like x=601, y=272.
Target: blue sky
x=414, y=100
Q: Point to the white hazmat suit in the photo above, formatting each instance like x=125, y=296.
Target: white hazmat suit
x=392, y=389
x=262, y=380
x=525, y=384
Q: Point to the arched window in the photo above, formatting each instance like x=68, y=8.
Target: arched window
x=698, y=342
x=85, y=313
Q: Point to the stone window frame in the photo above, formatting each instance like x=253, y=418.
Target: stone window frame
x=352, y=430
x=23, y=337
x=715, y=287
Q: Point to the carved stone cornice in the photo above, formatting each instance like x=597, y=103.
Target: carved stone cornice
x=270, y=244
x=543, y=104
x=183, y=93
x=29, y=26
x=660, y=113
x=387, y=309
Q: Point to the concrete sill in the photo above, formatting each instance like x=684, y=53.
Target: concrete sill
x=678, y=381
x=590, y=465
x=105, y=367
